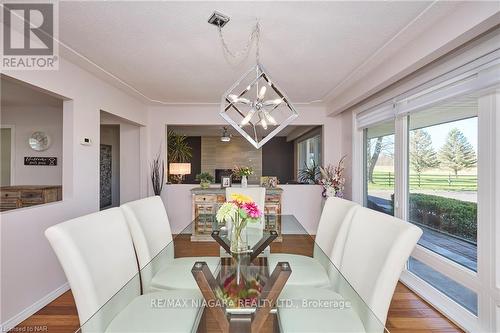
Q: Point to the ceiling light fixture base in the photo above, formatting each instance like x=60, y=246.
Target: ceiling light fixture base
x=218, y=19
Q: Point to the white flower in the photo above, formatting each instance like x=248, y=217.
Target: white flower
x=226, y=212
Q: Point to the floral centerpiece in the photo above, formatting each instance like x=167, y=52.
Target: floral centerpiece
x=243, y=173
x=240, y=294
x=240, y=211
x=333, y=180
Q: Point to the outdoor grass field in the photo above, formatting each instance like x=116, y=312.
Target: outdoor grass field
x=436, y=179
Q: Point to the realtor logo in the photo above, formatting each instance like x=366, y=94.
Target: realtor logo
x=29, y=33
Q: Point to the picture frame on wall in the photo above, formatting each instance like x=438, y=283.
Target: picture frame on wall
x=225, y=181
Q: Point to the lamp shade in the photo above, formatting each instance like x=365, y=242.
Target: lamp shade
x=180, y=168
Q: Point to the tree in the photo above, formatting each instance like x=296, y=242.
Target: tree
x=381, y=145
x=422, y=155
x=457, y=153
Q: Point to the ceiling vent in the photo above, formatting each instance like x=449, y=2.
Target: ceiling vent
x=218, y=19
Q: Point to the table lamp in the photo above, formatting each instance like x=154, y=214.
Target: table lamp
x=179, y=170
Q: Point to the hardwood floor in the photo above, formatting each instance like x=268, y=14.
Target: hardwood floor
x=408, y=312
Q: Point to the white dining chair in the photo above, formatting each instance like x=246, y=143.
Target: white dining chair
x=374, y=253
x=97, y=255
x=312, y=271
x=150, y=228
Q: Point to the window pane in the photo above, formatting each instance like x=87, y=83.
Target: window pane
x=309, y=155
x=379, y=167
x=443, y=179
x=460, y=294
x=314, y=150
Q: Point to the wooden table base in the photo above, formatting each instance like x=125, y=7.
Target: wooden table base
x=241, y=323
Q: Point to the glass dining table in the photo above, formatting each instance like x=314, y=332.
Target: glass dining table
x=284, y=282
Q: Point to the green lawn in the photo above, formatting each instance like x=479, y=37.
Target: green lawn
x=430, y=181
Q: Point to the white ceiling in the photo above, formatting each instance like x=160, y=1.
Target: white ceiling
x=168, y=51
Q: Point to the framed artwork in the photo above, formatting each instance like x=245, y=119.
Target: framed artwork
x=105, y=197
x=263, y=181
x=272, y=182
x=269, y=182
x=225, y=181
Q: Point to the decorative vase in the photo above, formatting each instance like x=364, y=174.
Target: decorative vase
x=238, y=237
x=330, y=192
x=204, y=185
x=244, y=181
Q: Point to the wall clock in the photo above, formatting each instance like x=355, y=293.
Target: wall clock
x=39, y=141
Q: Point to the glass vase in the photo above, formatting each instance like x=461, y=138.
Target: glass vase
x=244, y=181
x=238, y=237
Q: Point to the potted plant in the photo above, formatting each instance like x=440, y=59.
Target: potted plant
x=309, y=174
x=243, y=173
x=178, y=151
x=205, y=179
x=157, y=174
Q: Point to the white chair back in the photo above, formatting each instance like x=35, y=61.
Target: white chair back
x=374, y=253
x=335, y=212
x=97, y=255
x=149, y=226
x=258, y=194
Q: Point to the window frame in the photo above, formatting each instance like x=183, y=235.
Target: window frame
x=316, y=132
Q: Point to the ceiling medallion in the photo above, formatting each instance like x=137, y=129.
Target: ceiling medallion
x=254, y=105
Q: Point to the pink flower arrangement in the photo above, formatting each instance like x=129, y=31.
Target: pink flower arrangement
x=252, y=210
x=240, y=210
x=332, y=179
x=241, y=206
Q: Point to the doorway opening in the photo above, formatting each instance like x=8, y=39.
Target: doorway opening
x=109, y=174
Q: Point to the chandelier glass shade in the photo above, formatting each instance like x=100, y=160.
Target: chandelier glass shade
x=256, y=107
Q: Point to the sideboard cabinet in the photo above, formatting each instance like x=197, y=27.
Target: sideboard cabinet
x=206, y=202
x=12, y=197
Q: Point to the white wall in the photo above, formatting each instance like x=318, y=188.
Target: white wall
x=31, y=274
x=131, y=163
x=347, y=151
x=301, y=200
x=28, y=119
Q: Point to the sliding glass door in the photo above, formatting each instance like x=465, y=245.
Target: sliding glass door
x=442, y=191
x=423, y=167
x=430, y=156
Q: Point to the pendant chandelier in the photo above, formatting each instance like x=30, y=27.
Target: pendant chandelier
x=254, y=105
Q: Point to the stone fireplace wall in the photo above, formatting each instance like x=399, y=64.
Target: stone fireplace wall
x=226, y=155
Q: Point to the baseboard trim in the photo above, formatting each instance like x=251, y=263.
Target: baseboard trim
x=33, y=308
